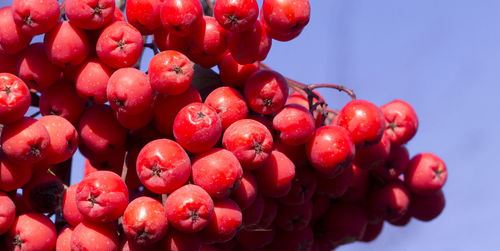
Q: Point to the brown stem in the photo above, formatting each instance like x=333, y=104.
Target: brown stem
x=124, y=168
x=163, y=198
x=35, y=114
x=340, y=88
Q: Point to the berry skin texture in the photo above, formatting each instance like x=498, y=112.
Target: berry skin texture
x=181, y=17
x=89, y=14
x=119, y=45
x=275, y=175
x=335, y=187
x=144, y=15
x=69, y=207
x=102, y=197
x=401, y=121
x=63, y=138
x=12, y=40
x=394, y=166
x=15, y=98
x=62, y=100
x=344, y=223
x=91, y=81
x=426, y=174
x=35, y=17
x=167, y=107
x=294, y=218
x=7, y=212
x=7, y=62
x=197, y=127
x=217, y=171
x=364, y=121
x=296, y=240
x=233, y=74
x=35, y=68
x=189, y=208
x=372, y=231
x=253, y=214
x=250, y=141
x=31, y=231
x=303, y=187
x=25, y=141
x=285, y=20
x=330, y=150
x=170, y=72
x=99, y=130
x=129, y=91
x=163, y=166
x=371, y=156
x=229, y=104
x=295, y=125
x=180, y=241
x=250, y=46
x=144, y=221
x=66, y=45
x=224, y=223
x=236, y=16
x=93, y=236
x=266, y=91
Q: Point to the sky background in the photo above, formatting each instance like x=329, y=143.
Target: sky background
x=443, y=57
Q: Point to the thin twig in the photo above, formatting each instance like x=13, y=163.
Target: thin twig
x=124, y=167
x=35, y=114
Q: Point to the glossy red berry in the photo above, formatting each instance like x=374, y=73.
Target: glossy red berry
x=266, y=91
x=91, y=81
x=163, y=166
x=15, y=98
x=35, y=17
x=295, y=125
x=275, y=175
x=236, y=16
x=170, y=72
x=12, y=39
x=145, y=221
x=181, y=17
x=251, y=45
x=285, y=20
x=129, y=91
x=35, y=68
x=426, y=174
x=197, y=127
x=401, y=121
x=66, y=45
x=230, y=105
x=89, y=14
x=31, y=231
x=144, y=15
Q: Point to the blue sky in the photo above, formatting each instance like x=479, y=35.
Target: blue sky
x=443, y=57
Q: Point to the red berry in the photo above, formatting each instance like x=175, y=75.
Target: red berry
x=426, y=174
x=63, y=138
x=401, y=121
x=197, y=127
x=229, y=104
x=7, y=213
x=35, y=17
x=208, y=43
x=266, y=91
x=268, y=214
x=372, y=231
x=145, y=221
x=250, y=141
x=394, y=166
x=303, y=187
x=167, y=107
x=295, y=240
x=163, y=166
x=15, y=98
x=294, y=218
x=69, y=207
x=285, y=19
x=364, y=121
x=12, y=39
x=170, y=72
x=180, y=241
x=102, y=197
x=35, y=68
x=25, y=141
x=275, y=175
x=337, y=186
x=181, y=17
x=31, y=231
x=144, y=15
x=391, y=201
x=62, y=100
x=189, y=208
x=63, y=242
x=359, y=186
x=253, y=214
x=7, y=62
x=233, y=74
x=224, y=223
x=13, y=176
x=371, y=156
x=295, y=125
x=166, y=40
x=91, y=81
x=249, y=46
x=94, y=236
x=253, y=239
x=344, y=223
x=217, y=171
x=428, y=207
x=330, y=150
x=119, y=45
x=129, y=91
x=246, y=192
x=89, y=14
x=236, y=16
x=99, y=130
x=66, y=45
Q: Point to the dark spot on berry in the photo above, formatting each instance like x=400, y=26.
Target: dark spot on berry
x=27, y=20
x=119, y=102
x=17, y=242
x=7, y=90
x=92, y=199
x=121, y=44
x=200, y=115
x=257, y=146
x=156, y=170
x=35, y=150
x=97, y=10
x=178, y=70
x=193, y=215
x=267, y=102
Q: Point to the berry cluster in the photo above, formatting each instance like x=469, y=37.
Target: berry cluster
x=179, y=157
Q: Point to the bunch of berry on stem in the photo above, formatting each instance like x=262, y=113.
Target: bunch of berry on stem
x=179, y=157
